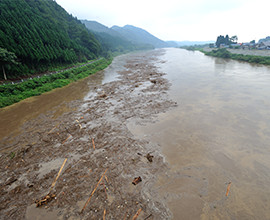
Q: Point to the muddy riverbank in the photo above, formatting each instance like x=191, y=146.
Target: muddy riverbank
x=35, y=148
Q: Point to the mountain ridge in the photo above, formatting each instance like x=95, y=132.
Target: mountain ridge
x=139, y=35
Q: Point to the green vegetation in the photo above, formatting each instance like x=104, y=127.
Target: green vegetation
x=226, y=40
x=37, y=36
x=12, y=93
x=223, y=53
x=111, y=41
x=42, y=34
x=6, y=59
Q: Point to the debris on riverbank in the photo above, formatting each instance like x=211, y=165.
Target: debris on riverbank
x=99, y=141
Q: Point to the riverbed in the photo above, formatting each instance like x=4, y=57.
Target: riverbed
x=204, y=120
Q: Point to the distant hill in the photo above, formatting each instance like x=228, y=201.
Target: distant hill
x=138, y=35
x=42, y=34
x=100, y=28
x=172, y=43
x=111, y=40
x=192, y=43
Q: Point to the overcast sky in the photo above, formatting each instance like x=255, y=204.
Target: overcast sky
x=194, y=20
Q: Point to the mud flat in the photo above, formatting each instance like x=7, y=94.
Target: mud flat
x=32, y=156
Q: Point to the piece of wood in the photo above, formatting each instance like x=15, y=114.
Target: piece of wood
x=93, y=191
x=44, y=200
x=54, y=128
x=103, y=183
x=66, y=138
x=104, y=214
x=59, y=172
x=136, y=180
x=106, y=179
x=137, y=214
x=148, y=217
x=228, y=188
x=93, y=142
x=125, y=217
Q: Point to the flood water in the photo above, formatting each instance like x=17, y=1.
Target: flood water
x=218, y=134
x=53, y=103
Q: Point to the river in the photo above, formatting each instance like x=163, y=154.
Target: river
x=215, y=142
x=218, y=134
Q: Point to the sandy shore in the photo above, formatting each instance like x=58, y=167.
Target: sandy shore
x=40, y=150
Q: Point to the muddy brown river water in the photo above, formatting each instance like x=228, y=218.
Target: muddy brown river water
x=213, y=142
x=219, y=133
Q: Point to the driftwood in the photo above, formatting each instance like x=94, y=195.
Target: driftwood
x=136, y=180
x=104, y=214
x=106, y=178
x=149, y=157
x=59, y=172
x=228, y=188
x=44, y=200
x=49, y=197
x=66, y=139
x=53, y=128
x=148, y=217
x=125, y=217
x=137, y=214
x=93, y=191
x=103, y=183
x=93, y=142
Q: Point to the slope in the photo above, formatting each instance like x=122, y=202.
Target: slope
x=42, y=34
x=138, y=35
x=111, y=40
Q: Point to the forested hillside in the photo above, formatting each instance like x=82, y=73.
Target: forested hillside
x=42, y=34
x=113, y=41
x=138, y=35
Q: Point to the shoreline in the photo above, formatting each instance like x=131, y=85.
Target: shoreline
x=13, y=93
x=139, y=94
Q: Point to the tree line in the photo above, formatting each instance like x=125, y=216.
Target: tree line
x=226, y=40
x=41, y=34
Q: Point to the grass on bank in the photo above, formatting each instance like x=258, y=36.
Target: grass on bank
x=223, y=53
x=12, y=93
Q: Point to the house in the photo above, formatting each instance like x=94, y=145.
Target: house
x=265, y=45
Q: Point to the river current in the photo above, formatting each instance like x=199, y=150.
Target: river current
x=215, y=142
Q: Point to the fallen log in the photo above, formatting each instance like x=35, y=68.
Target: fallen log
x=93, y=142
x=66, y=139
x=228, y=188
x=104, y=214
x=44, y=200
x=93, y=191
x=59, y=172
x=137, y=214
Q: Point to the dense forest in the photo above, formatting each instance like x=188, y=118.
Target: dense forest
x=42, y=34
x=113, y=41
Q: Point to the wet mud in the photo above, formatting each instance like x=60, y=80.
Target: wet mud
x=32, y=156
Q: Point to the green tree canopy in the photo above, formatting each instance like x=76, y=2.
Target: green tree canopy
x=6, y=59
